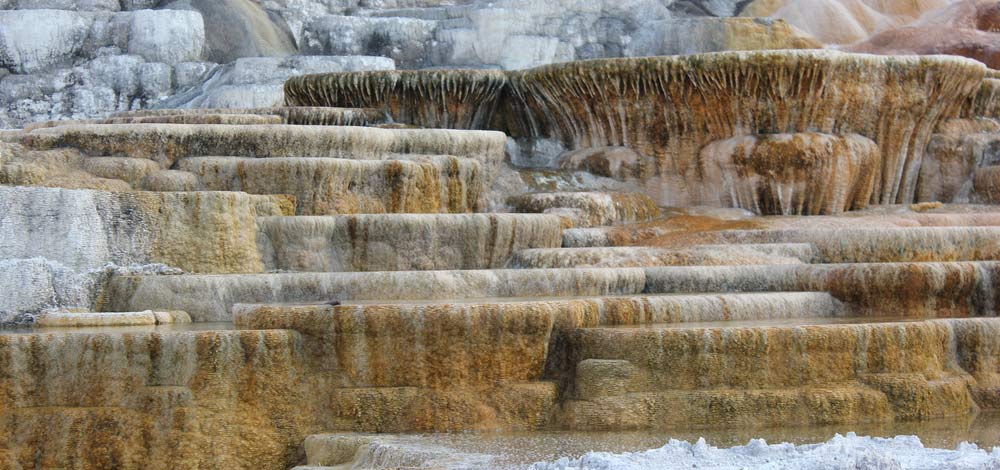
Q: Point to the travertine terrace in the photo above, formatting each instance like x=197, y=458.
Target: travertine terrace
x=733, y=239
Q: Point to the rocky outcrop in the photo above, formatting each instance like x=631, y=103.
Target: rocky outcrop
x=168, y=144
x=572, y=104
x=783, y=174
x=951, y=163
x=84, y=64
x=210, y=298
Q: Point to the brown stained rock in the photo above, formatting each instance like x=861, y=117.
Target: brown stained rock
x=327, y=186
x=167, y=144
x=205, y=231
x=699, y=99
x=401, y=242
x=791, y=174
x=588, y=209
x=986, y=185
x=961, y=126
x=986, y=102
x=951, y=162
x=432, y=346
x=614, y=162
x=154, y=400
x=449, y=99
x=778, y=375
x=297, y=115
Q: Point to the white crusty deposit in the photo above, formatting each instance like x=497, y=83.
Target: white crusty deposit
x=851, y=451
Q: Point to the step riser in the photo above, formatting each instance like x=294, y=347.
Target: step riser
x=903, y=289
x=335, y=186
x=814, y=375
x=167, y=144
x=717, y=255
x=401, y=242
x=210, y=298
x=881, y=245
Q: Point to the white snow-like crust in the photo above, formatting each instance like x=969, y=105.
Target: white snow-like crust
x=841, y=452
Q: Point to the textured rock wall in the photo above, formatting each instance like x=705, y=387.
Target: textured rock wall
x=210, y=298
x=339, y=186
x=86, y=229
x=783, y=174
x=878, y=289
x=589, y=208
x=813, y=375
x=437, y=99
x=152, y=400
x=402, y=242
x=896, y=102
x=639, y=256
x=167, y=144
x=712, y=97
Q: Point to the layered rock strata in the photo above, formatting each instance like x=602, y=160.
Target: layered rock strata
x=823, y=374
x=167, y=144
x=342, y=186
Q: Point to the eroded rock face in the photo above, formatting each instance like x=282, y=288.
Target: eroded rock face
x=403, y=242
x=589, y=208
x=446, y=99
x=707, y=98
x=342, y=186
x=152, y=400
x=664, y=382
x=85, y=230
x=783, y=174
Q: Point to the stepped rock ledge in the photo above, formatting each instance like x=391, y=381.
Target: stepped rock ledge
x=487, y=268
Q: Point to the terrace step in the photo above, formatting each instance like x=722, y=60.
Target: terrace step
x=875, y=245
x=210, y=298
x=891, y=289
x=168, y=143
x=703, y=255
x=401, y=242
x=641, y=378
x=588, y=209
x=326, y=186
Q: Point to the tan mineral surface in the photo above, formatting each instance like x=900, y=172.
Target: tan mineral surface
x=672, y=244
